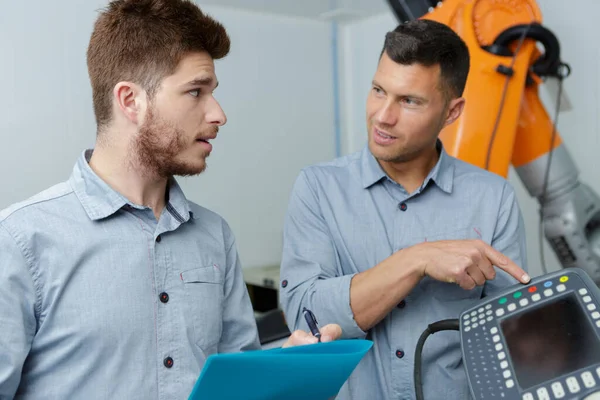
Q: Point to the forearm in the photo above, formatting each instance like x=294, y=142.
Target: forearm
x=375, y=292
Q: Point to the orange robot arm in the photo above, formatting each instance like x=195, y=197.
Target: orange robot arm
x=504, y=122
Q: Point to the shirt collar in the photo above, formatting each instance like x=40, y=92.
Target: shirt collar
x=442, y=173
x=99, y=200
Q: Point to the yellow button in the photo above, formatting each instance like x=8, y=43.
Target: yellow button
x=563, y=279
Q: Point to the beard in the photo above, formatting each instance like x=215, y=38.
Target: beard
x=157, y=148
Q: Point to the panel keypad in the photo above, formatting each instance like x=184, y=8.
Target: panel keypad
x=487, y=358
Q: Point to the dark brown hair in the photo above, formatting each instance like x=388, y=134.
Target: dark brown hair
x=143, y=41
x=431, y=43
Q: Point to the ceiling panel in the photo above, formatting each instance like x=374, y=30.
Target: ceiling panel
x=319, y=9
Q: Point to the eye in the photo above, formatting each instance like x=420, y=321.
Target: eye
x=376, y=89
x=195, y=92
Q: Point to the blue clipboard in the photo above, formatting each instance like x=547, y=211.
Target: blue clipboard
x=316, y=371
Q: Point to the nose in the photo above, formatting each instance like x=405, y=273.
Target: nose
x=214, y=113
x=386, y=115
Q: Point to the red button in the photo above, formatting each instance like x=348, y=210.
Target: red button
x=532, y=289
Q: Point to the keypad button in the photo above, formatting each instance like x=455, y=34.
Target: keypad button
x=587, y=299
x=583, y=292
x=561, y=288
x=523, y=302
x=588, y=379
x=512, y=307
x=499, y=312
x=536, y=297
x=510, y=383
x=548, y=292
x=557, y=390
x=494, y=330
x=573, y=385
x=543, y=394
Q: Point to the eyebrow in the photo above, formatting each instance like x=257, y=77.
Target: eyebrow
x=411, y=96
x=208, y=81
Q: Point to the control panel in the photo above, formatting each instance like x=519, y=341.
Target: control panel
x=539, y=341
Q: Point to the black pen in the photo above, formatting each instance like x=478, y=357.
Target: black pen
x=312, y=322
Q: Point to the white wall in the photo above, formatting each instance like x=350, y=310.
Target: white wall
x=275, y=87
x=579, y=126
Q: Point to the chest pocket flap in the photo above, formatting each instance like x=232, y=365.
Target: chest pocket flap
x=209, y=274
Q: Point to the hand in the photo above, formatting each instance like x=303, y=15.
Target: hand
x=465, y=262
x=328, y=333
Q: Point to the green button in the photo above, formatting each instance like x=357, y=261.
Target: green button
x=517, y=295
x=502, y=300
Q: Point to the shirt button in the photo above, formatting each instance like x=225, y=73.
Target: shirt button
x=164, y=297
x=399, y=353
x=168, y=362
x=284, y=283
x=403, y=206
x=402, y=304
x=158, y=239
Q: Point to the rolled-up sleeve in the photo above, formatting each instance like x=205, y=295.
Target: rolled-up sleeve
x=509, y=239
x=239, y=325
x=17, y=311
x=310, y=269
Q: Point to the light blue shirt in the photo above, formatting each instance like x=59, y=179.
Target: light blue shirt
x=99, y=300
x=347, y=216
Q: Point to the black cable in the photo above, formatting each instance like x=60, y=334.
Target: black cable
x=444, y=325
x=503, y=97
x=547, y=173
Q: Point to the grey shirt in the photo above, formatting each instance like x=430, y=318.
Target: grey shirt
x=347, y=216
x=99, y=300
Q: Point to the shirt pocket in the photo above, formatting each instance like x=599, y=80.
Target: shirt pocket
x=452, y=292
x=204, y=297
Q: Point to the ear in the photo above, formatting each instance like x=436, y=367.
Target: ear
x=455, y=109
x=130, y=99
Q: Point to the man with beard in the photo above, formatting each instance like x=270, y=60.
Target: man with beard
x=113, y=284
x=400, y=235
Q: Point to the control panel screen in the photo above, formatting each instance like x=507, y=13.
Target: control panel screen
x=549, y=341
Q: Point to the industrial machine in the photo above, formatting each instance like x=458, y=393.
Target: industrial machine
x=504, y=122
x=539, y=341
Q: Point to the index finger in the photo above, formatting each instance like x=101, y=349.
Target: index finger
x=503, y=262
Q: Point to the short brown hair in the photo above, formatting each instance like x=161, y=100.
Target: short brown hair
x=143, y=41
x=429, y=43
